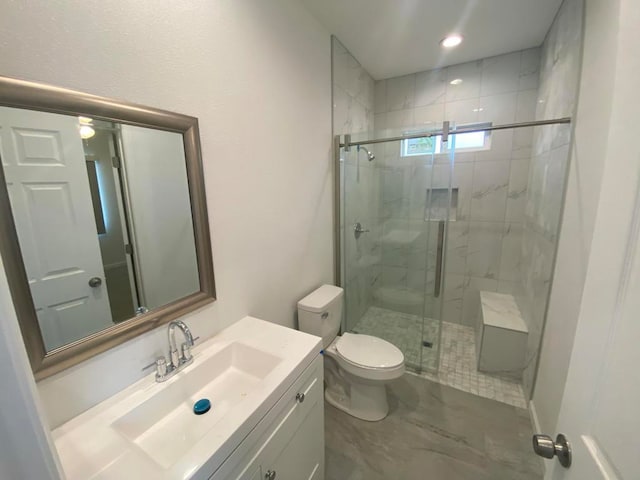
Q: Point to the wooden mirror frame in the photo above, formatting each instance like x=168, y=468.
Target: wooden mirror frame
x=46, y=98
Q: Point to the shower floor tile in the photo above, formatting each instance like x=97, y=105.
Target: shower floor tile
x=458, y=369
x=457, y=353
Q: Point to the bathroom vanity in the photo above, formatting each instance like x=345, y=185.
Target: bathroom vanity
x=265, y=384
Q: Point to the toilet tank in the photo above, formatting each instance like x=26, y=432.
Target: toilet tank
x=320, y=313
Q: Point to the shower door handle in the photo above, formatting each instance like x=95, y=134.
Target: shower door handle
x=358, y=230
x=439, y=256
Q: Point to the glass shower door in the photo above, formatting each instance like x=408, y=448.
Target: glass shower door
x=440, y=209
x=395, y=206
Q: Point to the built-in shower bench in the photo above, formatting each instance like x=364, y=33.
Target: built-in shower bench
x=501, y=335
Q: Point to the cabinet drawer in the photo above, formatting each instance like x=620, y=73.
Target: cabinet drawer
x=283, y=419
x=293, y=418
x=296, y=450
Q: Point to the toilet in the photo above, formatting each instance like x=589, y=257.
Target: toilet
x=357, y=367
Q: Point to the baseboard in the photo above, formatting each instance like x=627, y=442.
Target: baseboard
x=535, y=424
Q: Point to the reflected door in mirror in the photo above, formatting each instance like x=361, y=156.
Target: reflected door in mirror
x=43, y=161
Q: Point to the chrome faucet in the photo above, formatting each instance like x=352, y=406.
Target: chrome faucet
x=177, y=361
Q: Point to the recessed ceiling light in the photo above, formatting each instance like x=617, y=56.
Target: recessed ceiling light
x=451, y=41
x=456, y=81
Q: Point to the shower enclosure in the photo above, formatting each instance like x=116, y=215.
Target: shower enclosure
x=430, y=218
x=396, y=204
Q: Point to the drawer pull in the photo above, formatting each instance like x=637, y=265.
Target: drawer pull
x=300, y=397
x=270, y=475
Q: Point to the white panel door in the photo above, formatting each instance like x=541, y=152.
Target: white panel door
x=600, y=411
x=46, y=174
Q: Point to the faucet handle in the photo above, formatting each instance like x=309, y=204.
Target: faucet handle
x=186, y=350
x=174, y=358
x=161, y=367
x=155, y=362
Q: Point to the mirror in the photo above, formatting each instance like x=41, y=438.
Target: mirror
x=105, y=230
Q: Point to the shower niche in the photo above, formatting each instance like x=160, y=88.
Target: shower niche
x=442, y=206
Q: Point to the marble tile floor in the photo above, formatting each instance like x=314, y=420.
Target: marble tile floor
x=432, y=432
x=458, y=363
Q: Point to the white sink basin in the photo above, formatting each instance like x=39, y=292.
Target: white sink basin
x=149, y=430
x=165, y=427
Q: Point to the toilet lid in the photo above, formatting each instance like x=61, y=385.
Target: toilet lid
x=368, y=351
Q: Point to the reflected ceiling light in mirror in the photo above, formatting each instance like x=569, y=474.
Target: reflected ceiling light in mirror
x=456, y=81
x=451, y=41
x=86, y=132
x=86, y=128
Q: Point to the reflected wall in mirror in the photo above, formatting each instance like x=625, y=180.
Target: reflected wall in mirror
x=106, y=228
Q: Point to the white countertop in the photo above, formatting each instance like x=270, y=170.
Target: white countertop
x=90, y=447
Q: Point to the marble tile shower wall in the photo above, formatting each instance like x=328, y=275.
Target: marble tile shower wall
x=483, y=248
x=353, y=89
x=559, y=79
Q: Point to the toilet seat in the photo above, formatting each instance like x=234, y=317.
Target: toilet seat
x=370, y=352
x=367, y=357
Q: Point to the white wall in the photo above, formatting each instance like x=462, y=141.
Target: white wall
x=257, y=75
x=588, y=155
x=26, y=444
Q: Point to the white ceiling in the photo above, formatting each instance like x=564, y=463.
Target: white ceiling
x=398, y=37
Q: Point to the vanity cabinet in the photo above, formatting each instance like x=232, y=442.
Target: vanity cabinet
x=288, y=443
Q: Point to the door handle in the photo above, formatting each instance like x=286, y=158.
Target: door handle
x=358, y=230
x=95, y=282
x=544, y=446
x=439, y=255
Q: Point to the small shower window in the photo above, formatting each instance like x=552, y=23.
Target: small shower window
x=421, y=146
x=471, y=141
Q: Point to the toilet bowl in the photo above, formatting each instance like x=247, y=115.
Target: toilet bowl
x=364, y=364
x=357, y=367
